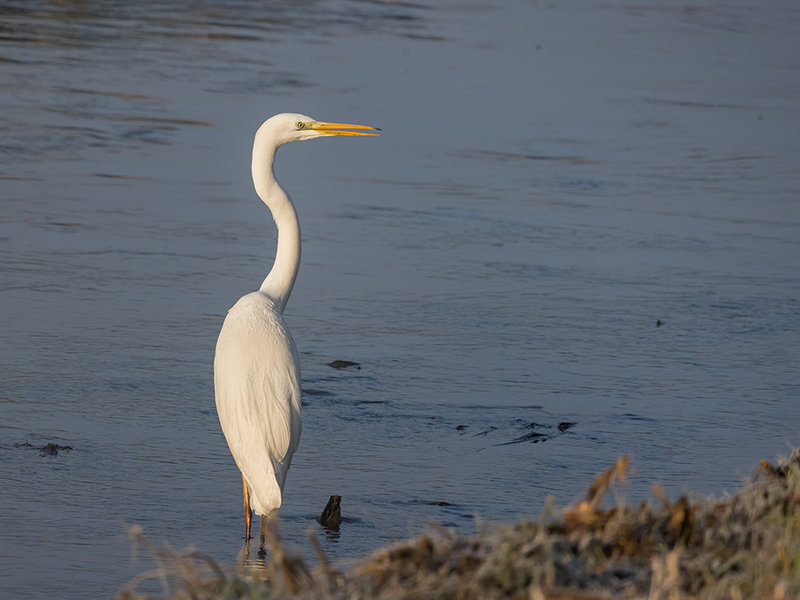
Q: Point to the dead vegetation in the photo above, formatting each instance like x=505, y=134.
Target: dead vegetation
x=746, y=545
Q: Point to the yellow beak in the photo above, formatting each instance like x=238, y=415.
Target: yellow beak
x=337, y=128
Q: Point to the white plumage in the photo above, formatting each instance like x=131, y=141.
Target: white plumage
x=257, y=382
x=256, y=369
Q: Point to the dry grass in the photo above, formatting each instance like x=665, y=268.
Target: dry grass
x=744, y=546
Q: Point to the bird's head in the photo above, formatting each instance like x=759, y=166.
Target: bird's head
x=291, y=127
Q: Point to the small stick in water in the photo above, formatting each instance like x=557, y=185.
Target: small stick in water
x=331, y=517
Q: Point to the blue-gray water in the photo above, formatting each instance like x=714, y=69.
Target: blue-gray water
x=552, y=180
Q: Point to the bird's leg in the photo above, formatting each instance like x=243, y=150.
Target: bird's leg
x=263, y=529
x=248, y=514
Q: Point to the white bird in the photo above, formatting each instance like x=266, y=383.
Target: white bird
x=256, y=368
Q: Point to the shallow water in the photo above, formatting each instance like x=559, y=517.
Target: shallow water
x=552, y=181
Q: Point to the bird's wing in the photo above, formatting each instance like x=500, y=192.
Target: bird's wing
x=257, y=385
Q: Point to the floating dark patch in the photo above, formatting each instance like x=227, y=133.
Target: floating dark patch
x=316, y=392
x=344, y=364
x=331, y=516
x=528, y=437
x=52, y=449
x=484, y=432
x=545, y=432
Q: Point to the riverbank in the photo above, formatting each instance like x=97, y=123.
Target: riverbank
x=746, y=545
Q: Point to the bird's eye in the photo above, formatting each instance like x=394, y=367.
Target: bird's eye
x=301, y=125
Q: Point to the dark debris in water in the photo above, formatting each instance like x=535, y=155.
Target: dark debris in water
x=344, y=364
x=49, y=449
x=533, y=437
x=331, y=517
x=539, y=432
x=52, y=449
x=533, y=432
x=316, y=392
x=527, y=431
x=486, y=431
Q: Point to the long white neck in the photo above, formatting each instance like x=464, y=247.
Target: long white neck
x=280, y=280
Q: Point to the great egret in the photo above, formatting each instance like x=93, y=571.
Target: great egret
x=256, y=369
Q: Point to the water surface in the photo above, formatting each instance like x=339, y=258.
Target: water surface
x=552, y=182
